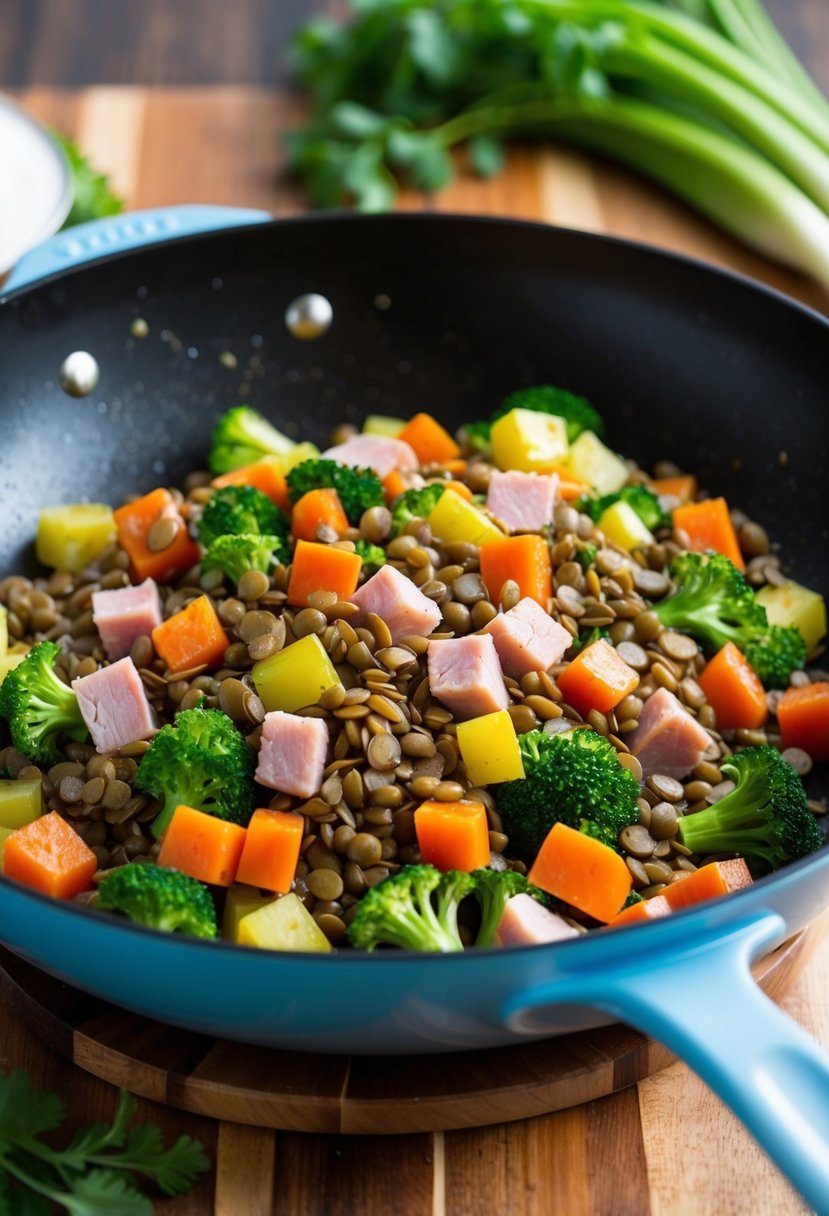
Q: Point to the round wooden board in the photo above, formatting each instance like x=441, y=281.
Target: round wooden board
x=296, y=1091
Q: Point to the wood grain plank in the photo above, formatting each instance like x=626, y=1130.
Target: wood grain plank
x=109, y=128
x=244, y=1171
x=614, y=1138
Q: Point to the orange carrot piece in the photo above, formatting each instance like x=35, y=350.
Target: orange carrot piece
x=684, y=487
x=192, y=637
x=582, y=871
x=803, y=714
x=432, y=443
x=322, y=568
x=202, y=846
x=569, y=486
x=523, y=559
x=134, y=520
x=264, y=475
x=643, y=909
x=315, y=508
x=459, y=487
x=733, y=688
x=49, y=856
x=453, y=835
x=598, y=678
x=717, y=878
x=708, y=526
x=394, y=484
x=271, y=850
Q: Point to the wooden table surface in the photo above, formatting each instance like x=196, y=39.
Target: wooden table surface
x=666, y=1147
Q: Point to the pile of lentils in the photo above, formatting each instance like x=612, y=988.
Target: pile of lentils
x=393, y=744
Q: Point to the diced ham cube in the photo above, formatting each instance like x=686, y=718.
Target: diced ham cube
x=378, y=452
x=292, y=753
x=523, y=502
x=526, y=922
x=527, y=638
x=395, y=598
x=667, y=739
x=464, y=673
x=114, y=706
x=125, y=614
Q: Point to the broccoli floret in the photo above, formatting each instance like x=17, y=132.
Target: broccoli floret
x=572, y=778
x=161, y=898
x=201, y=761
x=586, y=556
x=714, y=604
x=477, y=435
x=492, y=889
x=415, y=909
x=234, y=555
x=587, y=637
x=577, y=412
x=639, y=498
x=357, y=489
x=243, y=435
x=373, y=556
x=414, y=504
x=39, y=707
x=241, y=511
x=765, y=819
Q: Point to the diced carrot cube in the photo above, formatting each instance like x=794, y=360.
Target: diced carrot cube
x=431, y=442
x=598, y=678
x=322, y=568
x=315, y=508
x=803, y=714
x=49, y=856
x=265, y=475
x=642, y=910
x=192, y=637
x=708, y=525
x=708, y=882
x=133, y=522
x=734, y=690
x=453, y=835
x=582, y=871
x=683, y=487
x=524, y=560
x=203, y=846
x=271, y=850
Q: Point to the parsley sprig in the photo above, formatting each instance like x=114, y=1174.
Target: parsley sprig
x=94, y=1174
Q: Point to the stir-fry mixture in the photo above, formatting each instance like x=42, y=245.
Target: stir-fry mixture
x=418, y=690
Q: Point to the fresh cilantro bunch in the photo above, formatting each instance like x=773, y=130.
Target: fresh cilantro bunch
x=95, y=1174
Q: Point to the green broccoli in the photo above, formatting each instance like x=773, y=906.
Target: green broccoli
x=765, y=819
x=586, y=556
x=714, y=604
x=243, y=435
x=587, y=637
x=241, y=511
x=639, y=498
x=357, y=489
x=234, y=555
x=160, y=898
x=573, y=778
x=492, y=889
x=201, y=761
x=373, y=556
x=39, y=707
x=477, y=435
x=577, y=412
x=414, y=504
x=415, y=909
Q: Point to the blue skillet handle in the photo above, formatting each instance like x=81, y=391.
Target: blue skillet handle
x=120, y=232
x=703, y=1004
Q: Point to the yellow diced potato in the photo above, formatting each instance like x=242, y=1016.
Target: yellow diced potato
x=793, y=604
x=298, y=453
x=383, y=424
x=594, y=463
x=5, y=833
x=4, y=631
x=622, y=525
x=455, y=519
x=283, y=924
x=240, y=901
x=8, y=662
x=70, y=537
x=528, y=440
x=296, y=676
x=489, y=748
x=21, y=802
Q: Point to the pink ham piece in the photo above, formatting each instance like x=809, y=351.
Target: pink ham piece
x=114, y=706
x=667, y=740
x=527, y=638
x=292, y=753
x=526, y=922
x=464, y=673
x=523, y=502
x=125, y=614
x=402, y=605
x=378, y=452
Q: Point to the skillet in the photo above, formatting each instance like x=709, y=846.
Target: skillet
x=447, y=314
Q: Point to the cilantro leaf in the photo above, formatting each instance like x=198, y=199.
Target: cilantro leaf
x=24, y=1111
x=105, y=1191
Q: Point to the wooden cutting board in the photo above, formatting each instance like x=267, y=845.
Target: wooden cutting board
x=662, y=1147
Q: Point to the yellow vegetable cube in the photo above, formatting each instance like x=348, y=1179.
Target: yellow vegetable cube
x=594, y=463
x=21, y=802
x=622, y=525
x=792, y=604
x=298, y=453
x=283, y=924
x=529, y=441
x=8, y=662
x=240, y=901
x=382, y=424
x=455, y=519
x=489, y=748
x=296, y=676
x=70, y=537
